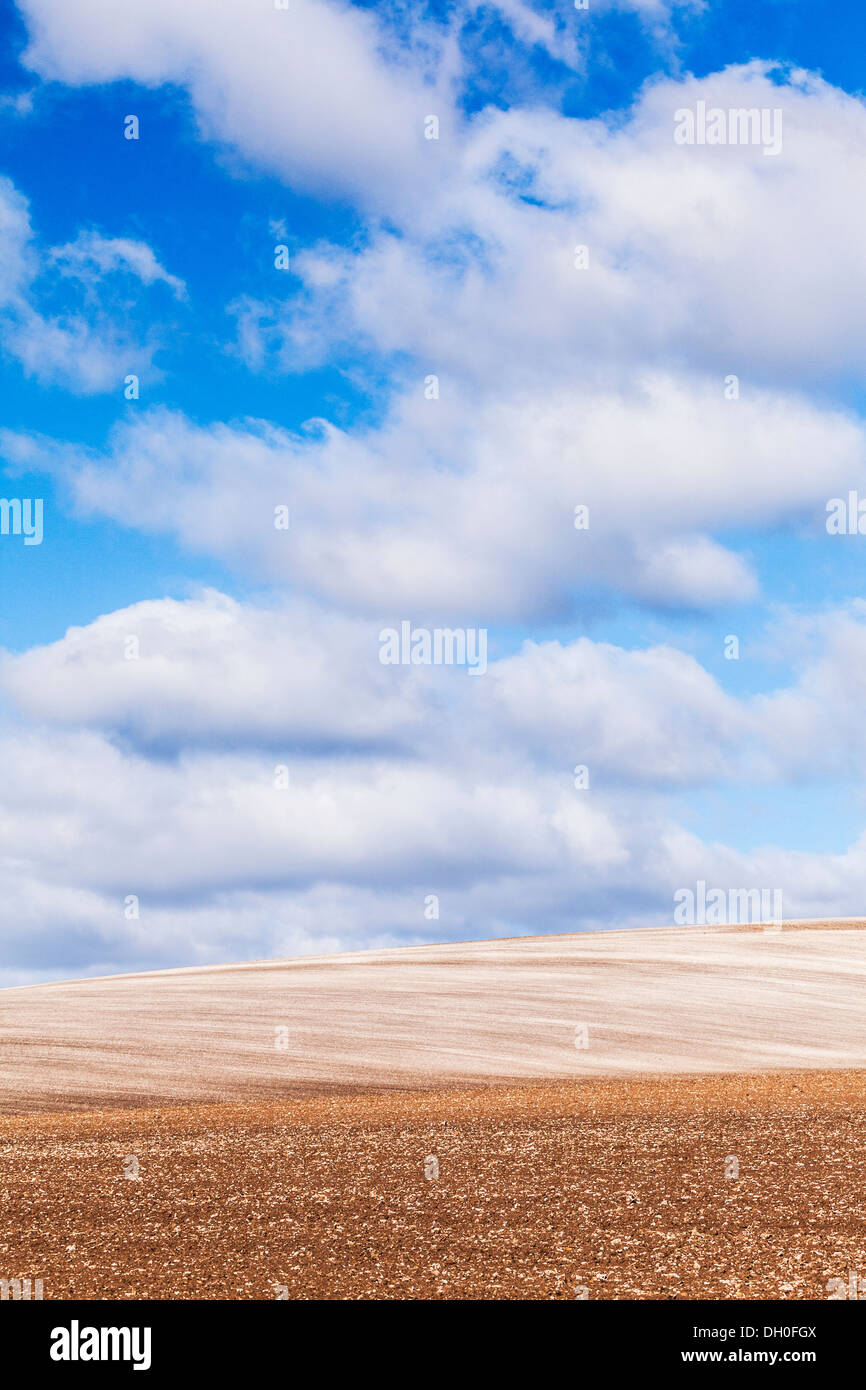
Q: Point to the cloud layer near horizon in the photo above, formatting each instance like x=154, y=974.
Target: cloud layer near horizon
x=224, y=779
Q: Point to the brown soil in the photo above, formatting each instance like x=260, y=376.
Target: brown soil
x=614, y=1186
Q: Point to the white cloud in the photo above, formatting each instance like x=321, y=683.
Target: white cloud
x=209, y=672
x=653, y=717
x=320, y=93
x=156, y=778
x=328, y=95
x=432, y=514
x=17, y=263
x=91, y=256
x=88, y=349
x=213, y=677
x=545, y=400
x=692, y=249
x=565, y=35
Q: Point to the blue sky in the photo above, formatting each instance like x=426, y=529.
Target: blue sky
x=154, y=779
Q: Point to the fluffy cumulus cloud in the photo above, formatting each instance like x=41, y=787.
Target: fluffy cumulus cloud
x=690, y=250
x=215, y=781
x=164, y=679
x=328, y=95
x=575, y=321
x=167, y=675
x=319, y=93
x=84, y=349
x=446, y=511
